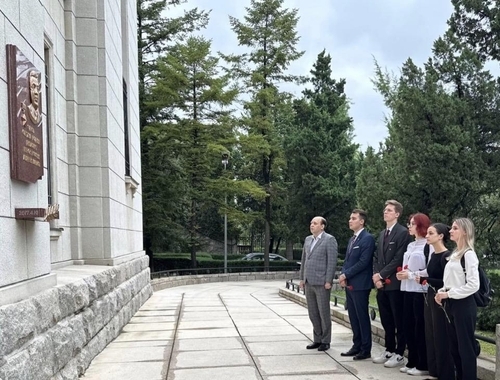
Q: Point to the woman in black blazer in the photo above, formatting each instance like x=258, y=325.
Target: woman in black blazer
x=436, y=320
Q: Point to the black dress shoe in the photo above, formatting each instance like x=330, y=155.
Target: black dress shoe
x=324, y=346
x=351, y=352
x=312, y=346
x=362, y=356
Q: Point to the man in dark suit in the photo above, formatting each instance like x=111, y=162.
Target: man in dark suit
x=392, y=244
x=356, y=278
x=319, y=259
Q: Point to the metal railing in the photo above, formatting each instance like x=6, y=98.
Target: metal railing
x=373, y=309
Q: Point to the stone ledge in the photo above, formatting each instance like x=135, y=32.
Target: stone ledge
x=56, y=333
x=173, y=281
x=485, y=367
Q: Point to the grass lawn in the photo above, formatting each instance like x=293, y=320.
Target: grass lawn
x=486, y=348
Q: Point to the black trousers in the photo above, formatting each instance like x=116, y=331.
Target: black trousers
x=414, y=329
x=436, y=336
x=390, y=304
x=357, y=308
x=462, y=344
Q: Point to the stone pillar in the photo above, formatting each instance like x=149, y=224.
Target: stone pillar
x=497, y=365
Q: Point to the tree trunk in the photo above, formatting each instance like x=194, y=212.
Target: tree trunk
x=289, y=249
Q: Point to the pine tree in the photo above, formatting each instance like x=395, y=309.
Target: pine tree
x=269, y=33
x=320, y=153
x=188, y=84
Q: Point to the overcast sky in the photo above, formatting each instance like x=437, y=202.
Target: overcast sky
x=353, y=32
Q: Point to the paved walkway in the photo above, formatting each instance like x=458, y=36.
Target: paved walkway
x=230, y=330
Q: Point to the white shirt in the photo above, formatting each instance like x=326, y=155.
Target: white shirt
x=415, y=259
x=356, y=234
x=454, y=279
x=315, y=240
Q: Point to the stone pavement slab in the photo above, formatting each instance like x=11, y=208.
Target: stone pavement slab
x=228, y=331
x=126, y=370
x=301, y=364
x=211, y=358
x=209, y=344
x=133, y=354
x=227, y=373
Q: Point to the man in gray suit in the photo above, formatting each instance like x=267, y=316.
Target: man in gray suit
x=319, y=260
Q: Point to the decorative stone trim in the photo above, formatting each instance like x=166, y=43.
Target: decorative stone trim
x=131, y=185
x=56, y=333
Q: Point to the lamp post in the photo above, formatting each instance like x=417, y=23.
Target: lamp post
x=225, y=161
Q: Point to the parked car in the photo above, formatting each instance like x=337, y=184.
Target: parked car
x=260, y=256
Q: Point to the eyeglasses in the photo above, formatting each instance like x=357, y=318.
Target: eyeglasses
x=411, y=224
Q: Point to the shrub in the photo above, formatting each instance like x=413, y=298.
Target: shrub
x=216, y=256
x=173, y=262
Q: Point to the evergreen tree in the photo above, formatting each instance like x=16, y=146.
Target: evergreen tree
x=321, y=166
x=162, y=172
x=202, y=130
x=269, y=32
x=477, y=24
x=373, y=186
x=155, y=35
x=441, y=147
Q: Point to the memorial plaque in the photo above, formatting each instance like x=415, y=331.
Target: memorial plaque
x=29, y=213
x=49, y=213
x=25, y=117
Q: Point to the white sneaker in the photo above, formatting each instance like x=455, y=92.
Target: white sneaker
x=383, y=357
x=395, y=361
x=405, y=369
x=417, y=372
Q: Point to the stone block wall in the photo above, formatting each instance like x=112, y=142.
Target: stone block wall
x=173, y=281
x=56, y=334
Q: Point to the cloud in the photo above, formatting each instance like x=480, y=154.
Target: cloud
x=353, y=32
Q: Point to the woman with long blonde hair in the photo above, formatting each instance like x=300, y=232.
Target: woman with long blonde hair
x=457, y=294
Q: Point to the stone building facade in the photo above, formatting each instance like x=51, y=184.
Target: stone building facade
x=73, y=274
x=86, y=52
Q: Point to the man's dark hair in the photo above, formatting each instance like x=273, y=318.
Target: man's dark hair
x=362, y=214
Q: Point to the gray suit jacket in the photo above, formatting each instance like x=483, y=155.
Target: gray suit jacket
x=318, y=265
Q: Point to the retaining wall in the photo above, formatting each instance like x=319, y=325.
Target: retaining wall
x=56, y=333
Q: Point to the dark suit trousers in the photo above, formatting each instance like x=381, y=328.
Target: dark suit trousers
x=318, y=306
x=463, y=314
x=436, y=336
x=391, y=316
x=414, y=325
x=357, y=308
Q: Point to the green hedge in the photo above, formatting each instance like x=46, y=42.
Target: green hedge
x=216, y=256
x=171, y=263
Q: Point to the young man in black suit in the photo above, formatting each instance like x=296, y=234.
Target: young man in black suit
x=392, y=244
x=356, y=278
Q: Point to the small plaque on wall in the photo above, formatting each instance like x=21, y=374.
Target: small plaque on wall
x=25, y=117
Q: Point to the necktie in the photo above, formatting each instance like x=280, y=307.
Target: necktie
x=386, y=236
x=314, y=243
x=351, y=244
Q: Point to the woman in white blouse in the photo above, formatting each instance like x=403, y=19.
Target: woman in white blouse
x=457, y=294
x=414, y=297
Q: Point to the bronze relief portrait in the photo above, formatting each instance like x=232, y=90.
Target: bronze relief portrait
x=25, y=117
